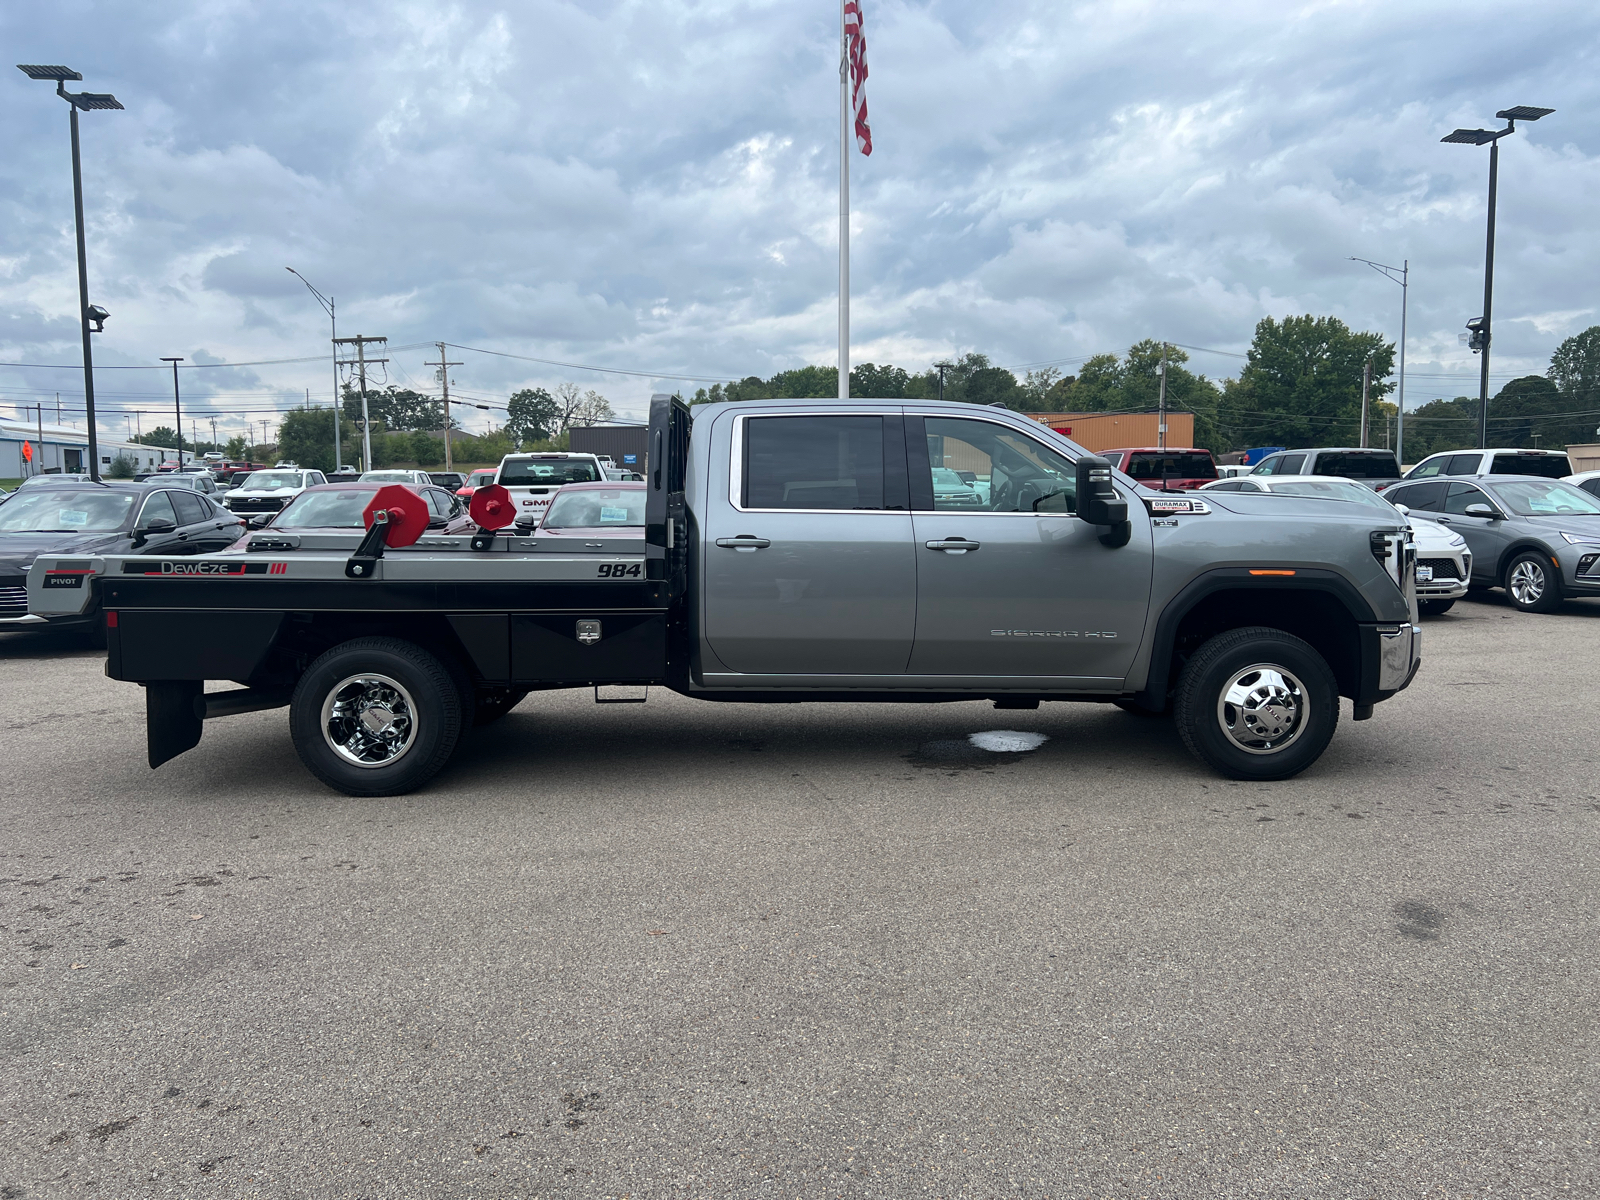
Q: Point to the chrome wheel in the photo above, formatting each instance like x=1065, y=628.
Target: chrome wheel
x=369, y=720
x=1263, y=709
x=1526, y=583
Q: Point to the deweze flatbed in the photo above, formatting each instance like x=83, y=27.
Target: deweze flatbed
x=794, y=550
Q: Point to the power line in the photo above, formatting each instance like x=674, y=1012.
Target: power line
x=550, y=362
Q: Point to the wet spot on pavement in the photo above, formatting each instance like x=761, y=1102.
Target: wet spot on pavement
x=1419, y=920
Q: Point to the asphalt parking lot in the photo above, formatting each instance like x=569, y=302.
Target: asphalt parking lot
x=712, y=950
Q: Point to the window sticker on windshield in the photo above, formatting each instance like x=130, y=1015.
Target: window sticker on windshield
x=609, y=514
x=73, y=517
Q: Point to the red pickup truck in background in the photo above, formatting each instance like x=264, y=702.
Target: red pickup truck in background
x=1169, y=469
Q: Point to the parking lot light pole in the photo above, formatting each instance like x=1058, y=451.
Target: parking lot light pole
x=1402, y=276
x=177, y=406
x=1480, y=335
x=88, y=101
x=333, y=324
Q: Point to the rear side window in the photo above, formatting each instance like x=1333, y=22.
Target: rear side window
x=191, y=509
x=1171, y=466
x=1426, y=497
x=1544, y=466
x=813, y=462
x=1359, y=466
x=1463, y=464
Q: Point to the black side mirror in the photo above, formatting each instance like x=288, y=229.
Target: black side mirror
x=1482, y=510
x=259, y=521
x=1098, y=502
x=156, y=525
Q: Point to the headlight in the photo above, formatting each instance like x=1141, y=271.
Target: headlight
x=1582, y=539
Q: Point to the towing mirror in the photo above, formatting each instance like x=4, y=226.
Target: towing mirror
x=1098, y=502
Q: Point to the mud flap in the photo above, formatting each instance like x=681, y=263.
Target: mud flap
x=170, y=723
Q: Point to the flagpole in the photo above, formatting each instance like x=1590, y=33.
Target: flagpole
x=844, y=207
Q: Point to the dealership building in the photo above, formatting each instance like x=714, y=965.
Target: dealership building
x=56, y=449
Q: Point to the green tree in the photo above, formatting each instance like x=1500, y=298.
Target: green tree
x=532, y=415
x=871, y=381
x=427, y=450
x=395, y=407
x=122, y=467
x=1301, y=383
x=306, y=437
x=234, y=450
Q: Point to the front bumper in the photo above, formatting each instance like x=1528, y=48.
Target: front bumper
x=1390, y=656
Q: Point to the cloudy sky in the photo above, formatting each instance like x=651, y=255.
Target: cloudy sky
x=652, y=186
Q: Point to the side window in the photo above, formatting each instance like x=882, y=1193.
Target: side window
x=158, y=507
x=1461, y=495
x=1425, y=497
x=1290, y=464
x=1251, y=487
x=813, y=462
x=191, y=508
x=1011, y=472
x=1230, y=486
x=1463, y=464
x=1429, y=467
x=1268, y=466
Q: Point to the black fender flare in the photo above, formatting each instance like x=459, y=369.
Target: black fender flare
x=1153, y=695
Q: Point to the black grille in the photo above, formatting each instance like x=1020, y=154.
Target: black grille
x=249, y=505
x=1443, y=568
x=13, y=595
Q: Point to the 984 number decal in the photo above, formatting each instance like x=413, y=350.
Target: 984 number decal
x=618, y=570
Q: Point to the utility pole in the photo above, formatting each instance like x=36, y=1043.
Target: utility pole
x=444, y=381
x=213, y=433
x=361, y=362
x=1161, y=409
x=177, y=405
x=39, y=408
x=943, y=367
x=1366, y=382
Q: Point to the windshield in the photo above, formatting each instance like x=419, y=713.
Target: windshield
x=326, y=510
x=481, y=478
x=548, y=472
x=1171, y=466
x=595, y=508
x=1538, y=499
x=946, y=480
x=62, y=511
x=1334, y=489
x=266, y=481
x=388, y=477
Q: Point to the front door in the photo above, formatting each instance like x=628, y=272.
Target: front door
x=1009, y=582
x=1486, y=538
x=808, y=561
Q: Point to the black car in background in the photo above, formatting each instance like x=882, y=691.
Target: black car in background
x=159, y=517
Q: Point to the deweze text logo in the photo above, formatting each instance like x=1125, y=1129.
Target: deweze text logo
x=205, y=570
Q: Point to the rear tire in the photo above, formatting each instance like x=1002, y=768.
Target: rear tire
x=1533, y=584
x=1434, y=608
x=375, y=716
x=1256, y=704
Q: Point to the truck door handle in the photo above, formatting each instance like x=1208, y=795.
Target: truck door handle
x=953, y=545
x=745, y=541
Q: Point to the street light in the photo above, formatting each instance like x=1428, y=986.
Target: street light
x=1402, y=276
x=1480, y=326
x=89, y=102
x=327, y=307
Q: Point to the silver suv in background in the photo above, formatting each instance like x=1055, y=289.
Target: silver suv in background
x=1377, y=469
x=1537, y=538
x=1545, y=464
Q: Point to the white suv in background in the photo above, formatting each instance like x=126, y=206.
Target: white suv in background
x=269, y=491
x=1544, y=464
x=396, y=475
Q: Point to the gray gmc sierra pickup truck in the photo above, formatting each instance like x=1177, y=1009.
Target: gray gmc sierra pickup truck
x=794, y=550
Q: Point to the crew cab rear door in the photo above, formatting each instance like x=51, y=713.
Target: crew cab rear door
x=1011, y=586
x=808, y=559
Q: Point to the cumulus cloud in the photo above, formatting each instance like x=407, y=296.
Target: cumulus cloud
x=654, y=186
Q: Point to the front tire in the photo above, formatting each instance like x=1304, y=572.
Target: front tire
x=1434, y=608
x=1256, y=704
x=375, y=716
x=1533, y=584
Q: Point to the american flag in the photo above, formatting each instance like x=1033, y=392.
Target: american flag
x=856, y=50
